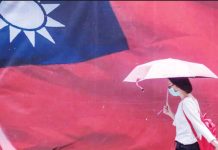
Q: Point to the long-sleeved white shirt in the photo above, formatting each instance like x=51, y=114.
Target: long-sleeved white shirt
x=184, y=133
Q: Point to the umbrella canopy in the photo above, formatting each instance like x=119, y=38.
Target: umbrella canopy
x=168, y=68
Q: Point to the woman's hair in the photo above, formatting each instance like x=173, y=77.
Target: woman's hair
x=182, y=83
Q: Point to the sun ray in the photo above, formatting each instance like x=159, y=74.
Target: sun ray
x=53, y=23
x=5, y=142
x=45, y=33
x=31, y=36
x=49, y=7
x=2, y=24
x=13, y=33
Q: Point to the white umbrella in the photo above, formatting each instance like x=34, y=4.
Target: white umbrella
x=168, y=68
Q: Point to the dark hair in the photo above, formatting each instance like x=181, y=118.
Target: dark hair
x=182, y=83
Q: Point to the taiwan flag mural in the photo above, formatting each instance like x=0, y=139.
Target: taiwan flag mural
x=53, y=32
x=62, y=65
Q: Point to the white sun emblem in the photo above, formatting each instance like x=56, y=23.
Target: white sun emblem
x=29, y=17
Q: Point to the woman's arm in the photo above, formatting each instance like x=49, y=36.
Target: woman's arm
x=215, y=144
x=191, y=111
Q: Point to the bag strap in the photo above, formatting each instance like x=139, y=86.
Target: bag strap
x=189, y=122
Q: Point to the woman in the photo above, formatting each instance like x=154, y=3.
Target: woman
x=185, y=138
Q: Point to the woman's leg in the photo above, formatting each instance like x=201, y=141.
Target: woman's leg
x=180, y=146
x=195, y=146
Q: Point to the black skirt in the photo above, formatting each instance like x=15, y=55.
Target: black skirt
x=180, y=146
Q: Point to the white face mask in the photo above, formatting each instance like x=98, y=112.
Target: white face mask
x=173, y=92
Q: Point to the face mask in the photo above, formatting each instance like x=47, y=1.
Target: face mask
x=173, y=92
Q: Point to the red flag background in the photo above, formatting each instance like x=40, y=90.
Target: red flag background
x=86, y=106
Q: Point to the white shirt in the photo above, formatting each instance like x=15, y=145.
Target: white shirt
x=184, y=132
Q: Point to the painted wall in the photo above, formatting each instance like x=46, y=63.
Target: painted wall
x=87, y=106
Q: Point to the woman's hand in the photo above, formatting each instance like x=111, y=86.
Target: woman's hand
x=215, y=144
x=167, y=110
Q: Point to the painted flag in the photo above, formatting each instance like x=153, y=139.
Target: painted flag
x=63, y=63
x=57, y=32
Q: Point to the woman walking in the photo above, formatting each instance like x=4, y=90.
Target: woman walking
x=188, y=108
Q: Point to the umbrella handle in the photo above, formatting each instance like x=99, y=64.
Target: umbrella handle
x=167, y=97
x=167, y=104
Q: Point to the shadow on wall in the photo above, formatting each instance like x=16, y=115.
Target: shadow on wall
x=103, y=141
x=94, y=141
